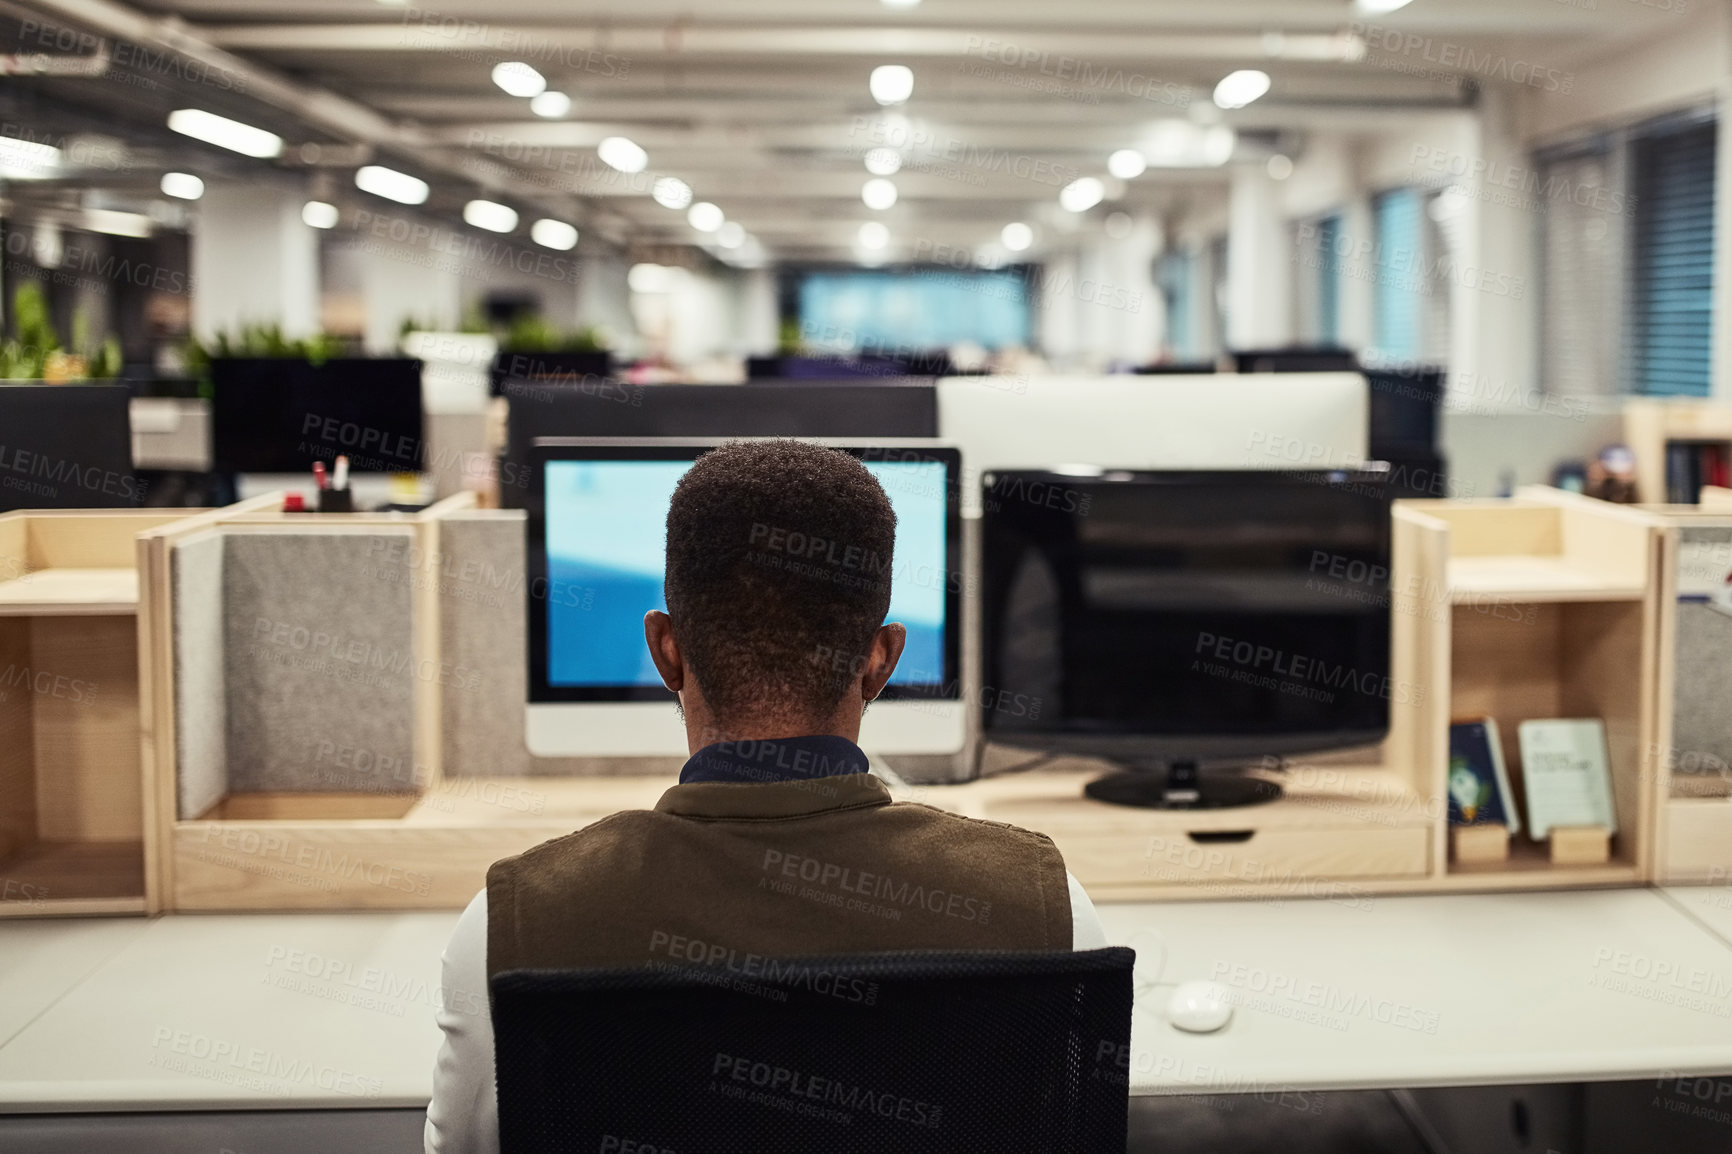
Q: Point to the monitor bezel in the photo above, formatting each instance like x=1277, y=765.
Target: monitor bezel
x=548, y=449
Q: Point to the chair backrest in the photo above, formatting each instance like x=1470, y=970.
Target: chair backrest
x=868, y=1053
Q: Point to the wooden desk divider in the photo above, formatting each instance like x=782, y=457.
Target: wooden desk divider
x=300, y=679
x=73, y=832
x=1693, y=766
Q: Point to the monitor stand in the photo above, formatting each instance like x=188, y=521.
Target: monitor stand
x=1180, y=785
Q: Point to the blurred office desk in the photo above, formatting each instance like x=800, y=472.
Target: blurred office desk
x=223, y=1012
x=1435, y=990
x=263, y=1012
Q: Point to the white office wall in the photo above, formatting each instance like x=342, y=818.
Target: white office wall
x=254, y=260
x=1260, y=265
x=1687, y=60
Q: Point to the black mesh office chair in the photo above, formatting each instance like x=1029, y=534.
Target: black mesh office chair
x=875, y=1054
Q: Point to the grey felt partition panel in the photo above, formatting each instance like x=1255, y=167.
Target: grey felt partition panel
x=201, y=699
x=296, y=663
x=1702, y=689
x=321, y=661
x=481, y=573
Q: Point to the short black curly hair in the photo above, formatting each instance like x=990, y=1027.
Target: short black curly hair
x=778, y=574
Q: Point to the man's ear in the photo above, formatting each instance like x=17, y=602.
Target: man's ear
x=658, y=632
x=881, y=658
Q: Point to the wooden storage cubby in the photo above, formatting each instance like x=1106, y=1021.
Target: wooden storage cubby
x=1541, y=606
x=1652, y=423
x=410, y=840
x=72, y=828
x=1693, y=826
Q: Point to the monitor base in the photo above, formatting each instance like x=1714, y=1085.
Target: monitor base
x=1182, y=788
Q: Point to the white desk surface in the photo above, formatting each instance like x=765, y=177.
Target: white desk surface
x=1434, y=990
x=336, y=1010
x=1711, y=905
x=241, y=1011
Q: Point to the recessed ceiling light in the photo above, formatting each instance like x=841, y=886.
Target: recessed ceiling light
x=1378, y=7
x=652, y=278
x=731, y=235
x=1237, y=89
x=519, y=79
x=550, y=233
x=225, y=133
x=318, y=214
x=391, y=184
x=1280, y=167
x=619, y=153
x=883, y=162
x=878, y=193
x=671, y=192
x=1218, y=144
x=1017, y=236
x=1127, y=164
x=551, y=104
x=873, y=235
x=1081, y=194
x=901, y=3
x=705, y=217
x=115, y=223
x=183, y=185
x=892, y=83
x=490, y=215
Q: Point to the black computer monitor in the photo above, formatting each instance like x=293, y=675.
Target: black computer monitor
x=281, y=414
x=1296, y=359
x=1175, y=368
x=597, y=539
x=889, y=409
x=1185, y=622
x=66, y=447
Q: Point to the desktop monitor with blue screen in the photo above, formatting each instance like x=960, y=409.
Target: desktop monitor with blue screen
x=597, y=548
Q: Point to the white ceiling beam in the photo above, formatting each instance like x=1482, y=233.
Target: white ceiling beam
x=628, y=42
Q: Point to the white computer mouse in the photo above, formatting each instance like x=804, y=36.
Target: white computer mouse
x=1199, y=1007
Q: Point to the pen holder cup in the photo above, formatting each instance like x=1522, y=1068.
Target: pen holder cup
x=336, y=501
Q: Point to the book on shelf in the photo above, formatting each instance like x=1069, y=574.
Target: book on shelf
x=1478, y=785
x=1567, y=774
x=1693, y=464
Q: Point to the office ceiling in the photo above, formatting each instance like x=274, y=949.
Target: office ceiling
x=762, y=106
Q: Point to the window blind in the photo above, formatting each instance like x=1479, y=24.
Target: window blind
x=1399, y=289
x=1672, y=259
x=1328, y=280
x=1582, y=224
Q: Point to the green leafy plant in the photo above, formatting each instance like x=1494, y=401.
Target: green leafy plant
x=262, y=340
x=33, y=352
x=529, y=333
x=471, y=323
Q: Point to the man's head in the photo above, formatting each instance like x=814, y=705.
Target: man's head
x=778, y=581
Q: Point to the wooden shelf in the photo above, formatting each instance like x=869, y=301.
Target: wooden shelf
x=1530, y=866
x=91, y=877
x=1528, y=578
x=68, y=592
x=72, y=828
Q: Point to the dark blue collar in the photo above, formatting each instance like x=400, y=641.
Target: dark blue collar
x=779, y=759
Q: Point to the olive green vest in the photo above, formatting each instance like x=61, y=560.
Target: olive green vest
x=720, y=873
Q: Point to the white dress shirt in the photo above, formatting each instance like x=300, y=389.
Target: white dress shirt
x=463, y=1117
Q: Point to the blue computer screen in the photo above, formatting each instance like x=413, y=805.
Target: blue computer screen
x=606, y=550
